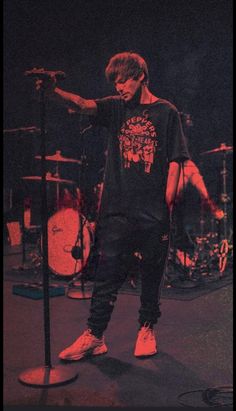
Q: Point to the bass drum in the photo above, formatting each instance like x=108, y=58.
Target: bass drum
x=64, y=233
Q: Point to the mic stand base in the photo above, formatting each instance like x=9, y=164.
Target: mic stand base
x=46, y=376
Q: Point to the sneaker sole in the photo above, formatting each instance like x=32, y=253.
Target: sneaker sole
x=95, y=351
x=145, y=355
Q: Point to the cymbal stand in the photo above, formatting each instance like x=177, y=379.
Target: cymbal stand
x=224, y=243
x=76, y=289
x=199, y=264
x=224, y=197
x=206, y=249
x=184, y=206
x=57, y=185
x=57, y=174
x=47, y=375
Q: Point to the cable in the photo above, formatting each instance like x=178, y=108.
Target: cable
x=221, y=396
x=218, y=396
x=186, y=393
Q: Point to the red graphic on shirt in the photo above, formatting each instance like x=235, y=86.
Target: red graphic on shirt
x=138, y=142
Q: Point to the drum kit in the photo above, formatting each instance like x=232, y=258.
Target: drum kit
x=212, y=251
x=55, y=178
x=70, y=233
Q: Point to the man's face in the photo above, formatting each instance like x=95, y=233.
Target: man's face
x=127, y=88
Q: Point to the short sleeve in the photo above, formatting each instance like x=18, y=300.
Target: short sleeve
x=108, y=109
x=177, y=149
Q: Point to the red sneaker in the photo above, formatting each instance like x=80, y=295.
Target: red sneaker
x=145, y=343
x=86, y=344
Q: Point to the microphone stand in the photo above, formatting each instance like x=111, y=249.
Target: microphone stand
x=46, y=375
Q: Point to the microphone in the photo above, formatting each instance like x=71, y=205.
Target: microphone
x=76, y=252
x=187, y=118
x=42, y=74
x=32, y=129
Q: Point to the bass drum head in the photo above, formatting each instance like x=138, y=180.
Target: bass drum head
x=64, y=231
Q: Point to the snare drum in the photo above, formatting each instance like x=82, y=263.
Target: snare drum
x=64, y=233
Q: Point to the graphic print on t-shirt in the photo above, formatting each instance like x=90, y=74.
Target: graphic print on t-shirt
x=138, y=142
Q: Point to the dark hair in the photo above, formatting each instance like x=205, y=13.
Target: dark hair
x=127, y=65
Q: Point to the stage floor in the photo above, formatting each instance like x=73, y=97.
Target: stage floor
x=194, y=342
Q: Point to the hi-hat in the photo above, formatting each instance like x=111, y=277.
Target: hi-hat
x=49, y=178
x=58, y=157
x=222, y=149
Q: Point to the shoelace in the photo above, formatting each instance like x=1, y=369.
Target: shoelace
x=86, y=336
x=146, y=332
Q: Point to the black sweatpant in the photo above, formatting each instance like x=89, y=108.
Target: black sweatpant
x=119, y=237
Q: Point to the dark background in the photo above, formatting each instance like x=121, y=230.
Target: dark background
x=186, y=43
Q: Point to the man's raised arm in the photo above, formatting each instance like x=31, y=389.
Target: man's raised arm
x=73, y=101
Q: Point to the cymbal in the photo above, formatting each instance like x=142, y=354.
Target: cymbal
x=49, y=178
x=222, y=149
x=60, y=158
x=21, y=130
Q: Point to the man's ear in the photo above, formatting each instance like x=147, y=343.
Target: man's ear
x=141, y=78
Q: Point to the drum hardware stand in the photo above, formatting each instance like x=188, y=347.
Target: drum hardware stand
x=182, y=165
x=222, y=248
x=200, y=266
x=196, y=268
x=205, y=252
x=77, y=287
x=57, y=174
x=47, y=375
x=24, y=266
x=224, y=243
x=57, y=186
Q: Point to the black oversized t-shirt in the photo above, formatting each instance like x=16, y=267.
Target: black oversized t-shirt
x=143, y=140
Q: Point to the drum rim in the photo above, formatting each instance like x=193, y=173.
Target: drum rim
x=89, y=229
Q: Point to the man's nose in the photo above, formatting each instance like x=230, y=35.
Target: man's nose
x=119, y=87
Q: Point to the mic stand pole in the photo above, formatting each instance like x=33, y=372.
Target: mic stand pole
x=46, y=375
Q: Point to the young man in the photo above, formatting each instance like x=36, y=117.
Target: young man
x=145, y=148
